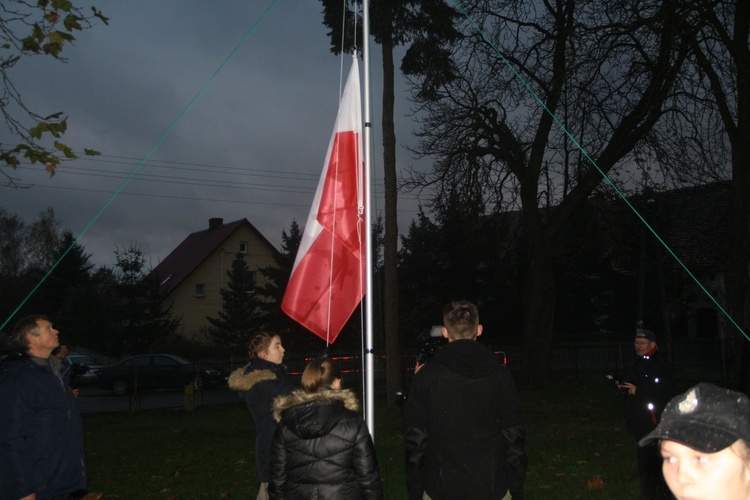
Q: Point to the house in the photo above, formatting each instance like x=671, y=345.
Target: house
x=193, y=274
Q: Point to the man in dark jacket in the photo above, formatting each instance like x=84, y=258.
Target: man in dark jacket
x=464, y=431
x=648, y=385
x=41, y=437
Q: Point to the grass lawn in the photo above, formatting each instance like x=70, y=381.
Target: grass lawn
x=577, y=448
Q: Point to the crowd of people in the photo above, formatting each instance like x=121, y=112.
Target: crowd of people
x=464, y=435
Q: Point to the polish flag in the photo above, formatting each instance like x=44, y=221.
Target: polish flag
x=328, y=277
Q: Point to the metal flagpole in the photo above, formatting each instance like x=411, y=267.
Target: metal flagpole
x=368, y=361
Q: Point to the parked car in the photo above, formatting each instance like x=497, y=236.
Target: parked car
x=84, y=368
x=156, y=371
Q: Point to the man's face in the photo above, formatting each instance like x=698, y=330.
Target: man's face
x=643, y=346
x=46, y=341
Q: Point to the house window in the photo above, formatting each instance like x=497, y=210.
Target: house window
x=200, y=289
x=243, y=246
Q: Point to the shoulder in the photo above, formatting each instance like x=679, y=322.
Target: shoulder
x=344, y=397
x=245, y=378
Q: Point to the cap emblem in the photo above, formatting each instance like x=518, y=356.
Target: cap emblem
x=689, y=404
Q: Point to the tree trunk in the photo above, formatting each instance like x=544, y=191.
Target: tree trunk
x=540, y=296
x=394, y=363
x=738, y=249
x=738, y=230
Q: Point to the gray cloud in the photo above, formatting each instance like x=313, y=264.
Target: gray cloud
x=252, y=145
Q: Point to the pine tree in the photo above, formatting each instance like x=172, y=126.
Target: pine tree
x=237, y=319
x=142, y=320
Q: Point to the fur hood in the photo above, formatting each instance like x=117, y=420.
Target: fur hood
x=346, y=396
x=243, y=379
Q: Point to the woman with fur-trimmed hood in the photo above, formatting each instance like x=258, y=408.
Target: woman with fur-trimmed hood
x=322, y=448
x=258, y=383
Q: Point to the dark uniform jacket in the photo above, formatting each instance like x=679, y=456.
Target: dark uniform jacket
x=464, y=433
x=41, y=436
x=654, y=383
x=258, y=383
x=322, y=449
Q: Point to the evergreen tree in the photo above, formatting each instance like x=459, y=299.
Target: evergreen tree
x=142, y=320
x=236, y=320
x=271, y=292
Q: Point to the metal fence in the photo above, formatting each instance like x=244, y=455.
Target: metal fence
x=709, y=360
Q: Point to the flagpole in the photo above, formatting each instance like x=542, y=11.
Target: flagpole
x=368, y=361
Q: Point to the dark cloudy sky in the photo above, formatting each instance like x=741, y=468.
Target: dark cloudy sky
x=251, y=145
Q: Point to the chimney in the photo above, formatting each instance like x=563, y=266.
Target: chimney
x=215, y=222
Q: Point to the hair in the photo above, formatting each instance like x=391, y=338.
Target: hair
x=742, y=450
x=26, y=326
x=319, y=374
x=461, y=319
x=259, y=342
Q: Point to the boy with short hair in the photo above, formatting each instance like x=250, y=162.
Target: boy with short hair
x=464, y=431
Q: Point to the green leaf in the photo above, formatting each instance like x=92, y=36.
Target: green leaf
x=56, y=38
x=36, y=132
x=62, y=5
x=71, y=23
x=29, y=44
x=91, y=152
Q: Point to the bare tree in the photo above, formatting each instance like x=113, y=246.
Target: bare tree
x=604, y=70
x=719, y=32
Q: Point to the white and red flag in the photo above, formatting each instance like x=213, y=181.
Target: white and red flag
x=328, y=277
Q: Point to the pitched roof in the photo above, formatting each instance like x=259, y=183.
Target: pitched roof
x=196, y=248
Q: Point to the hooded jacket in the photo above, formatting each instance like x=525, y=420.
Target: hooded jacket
x=322, y=449
x=41, y=436
x=463, y=427
x=258, y=383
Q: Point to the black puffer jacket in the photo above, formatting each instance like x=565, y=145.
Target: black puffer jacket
x=322, y=449
x=258, y=383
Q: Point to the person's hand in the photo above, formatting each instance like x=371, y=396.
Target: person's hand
x=418, y=367
x=630, y=387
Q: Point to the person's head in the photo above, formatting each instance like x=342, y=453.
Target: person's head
x=461, y=321
x=36, y=335
x=703, y=437
x=320, y=374
x=645, y=341
x=61, y=351
x=266, y=345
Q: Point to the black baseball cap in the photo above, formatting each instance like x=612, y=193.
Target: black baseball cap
x=707, y=418
x=640, y=333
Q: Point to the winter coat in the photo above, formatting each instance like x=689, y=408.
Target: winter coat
x=654, y=383
x=322, y=449
x=463, y=427
x=41, y=436
x=258, y=383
